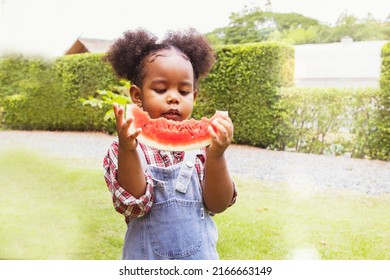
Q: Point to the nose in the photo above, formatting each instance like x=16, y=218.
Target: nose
x=173, y=97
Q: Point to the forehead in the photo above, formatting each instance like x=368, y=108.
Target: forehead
x=169, y=62
x=166, y=53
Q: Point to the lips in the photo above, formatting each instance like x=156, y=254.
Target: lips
x=172, y=114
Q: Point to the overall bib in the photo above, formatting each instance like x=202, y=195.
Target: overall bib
x=178, y=226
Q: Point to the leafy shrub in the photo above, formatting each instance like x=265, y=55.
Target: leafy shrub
x=26, y=84
x=105, y=99
x=250, y=81
x=81, y=75
x=49, y=98
x=381, y=137
x=18, y=72
x=245, y=82
x=333, y=121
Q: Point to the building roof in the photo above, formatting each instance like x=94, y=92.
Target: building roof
x=83, y=45
x=343, y=64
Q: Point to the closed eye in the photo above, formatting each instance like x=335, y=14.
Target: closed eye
x=160, y=90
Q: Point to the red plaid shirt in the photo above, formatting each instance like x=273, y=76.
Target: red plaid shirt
x=127, y=204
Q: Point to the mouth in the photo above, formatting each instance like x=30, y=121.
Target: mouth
x=172, y=114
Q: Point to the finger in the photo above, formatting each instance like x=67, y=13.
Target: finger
x=220, y=136
x=228, y=125
x=225, y=121
x=115, y=106
x=128, y=131
x=213, y=134
x=225, y=117
x=126, y=125
x=137, y=132
x=223, y=129
x=119, y=120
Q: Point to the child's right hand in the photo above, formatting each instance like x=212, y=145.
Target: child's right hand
x=127, y=139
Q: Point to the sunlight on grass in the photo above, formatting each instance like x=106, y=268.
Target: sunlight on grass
x=53, y=208
x=278, y=222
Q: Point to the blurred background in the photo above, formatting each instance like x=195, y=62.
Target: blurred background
x=50, y=27
x=306, y=83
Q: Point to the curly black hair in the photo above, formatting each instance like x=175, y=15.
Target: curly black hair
x=129, y=53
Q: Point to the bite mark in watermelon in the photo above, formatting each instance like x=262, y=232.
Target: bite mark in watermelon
x=169, y=135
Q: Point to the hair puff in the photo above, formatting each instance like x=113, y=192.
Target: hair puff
x=129, y=53
x=195, y=46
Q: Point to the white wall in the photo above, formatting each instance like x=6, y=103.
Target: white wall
x=349, y=64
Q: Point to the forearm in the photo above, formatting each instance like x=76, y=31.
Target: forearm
x=218, y=187
x=130, y=174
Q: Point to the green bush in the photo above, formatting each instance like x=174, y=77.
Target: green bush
x=250, y=81
x=49, y=98
x=25, y=84
x=81, y=76
x=37, y=106
x=330, y=121
x=245, y=82
x=381, y=137
x=18, y=72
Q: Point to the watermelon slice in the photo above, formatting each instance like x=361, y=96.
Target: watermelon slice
x=169, y=135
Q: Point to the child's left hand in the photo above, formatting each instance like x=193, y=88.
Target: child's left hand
x=221, y=139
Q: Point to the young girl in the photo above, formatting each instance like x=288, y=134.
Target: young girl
x=167, y=197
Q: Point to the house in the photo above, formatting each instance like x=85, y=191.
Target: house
x=345, y=64
x=83, y=45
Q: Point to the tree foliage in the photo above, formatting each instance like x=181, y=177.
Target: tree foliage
x=256, y=25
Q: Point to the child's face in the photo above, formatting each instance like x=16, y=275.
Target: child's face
x=168, y=86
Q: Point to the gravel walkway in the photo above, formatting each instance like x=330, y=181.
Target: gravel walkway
x=295, y=169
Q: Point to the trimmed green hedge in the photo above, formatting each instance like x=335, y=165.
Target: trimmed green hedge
x=81, y=76
x=245, y=82
x=381, y=137
x=50, y=99
x=17, y=73
x=328, y=121
x=250, y=81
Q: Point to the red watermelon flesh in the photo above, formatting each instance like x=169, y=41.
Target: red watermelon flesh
x=169, y=135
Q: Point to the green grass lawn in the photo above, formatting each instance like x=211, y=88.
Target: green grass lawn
x=277, y=222
x=52, y=208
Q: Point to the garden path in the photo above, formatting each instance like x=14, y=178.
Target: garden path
x=317, y=172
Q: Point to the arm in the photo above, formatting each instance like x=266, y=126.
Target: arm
x=124, y=202
x=218, y=187
x=130, y=174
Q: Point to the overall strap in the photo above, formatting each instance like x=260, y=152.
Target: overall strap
x=186, y=171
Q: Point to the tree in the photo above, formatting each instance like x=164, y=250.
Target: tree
x=370, y=29
x=254, y=25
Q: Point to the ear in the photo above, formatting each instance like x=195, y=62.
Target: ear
x=136, y=95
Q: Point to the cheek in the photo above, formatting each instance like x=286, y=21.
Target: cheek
x=189, y=104
x=153, y=107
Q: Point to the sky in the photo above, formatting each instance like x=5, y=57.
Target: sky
x=50, y=27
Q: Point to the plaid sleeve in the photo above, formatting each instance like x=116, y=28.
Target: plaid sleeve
x=123, y=201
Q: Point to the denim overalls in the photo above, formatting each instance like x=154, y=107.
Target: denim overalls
x=178, y=226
